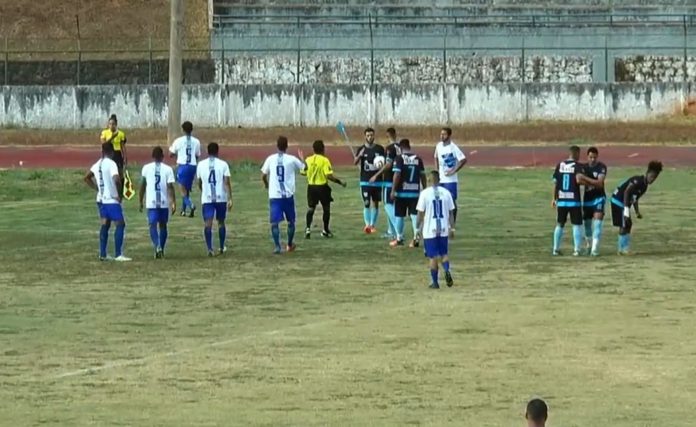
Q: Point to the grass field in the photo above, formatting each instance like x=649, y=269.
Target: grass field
x=344, y=332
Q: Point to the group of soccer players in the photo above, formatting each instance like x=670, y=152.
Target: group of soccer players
x=588, y=209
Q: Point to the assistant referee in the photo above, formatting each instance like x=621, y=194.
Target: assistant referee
x=117, y=138
x=319, y=172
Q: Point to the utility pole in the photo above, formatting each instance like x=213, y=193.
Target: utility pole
x=176, y=35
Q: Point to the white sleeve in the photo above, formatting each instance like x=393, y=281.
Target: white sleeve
x=298, y=164
x=459, y=153
x=198, y=149
x=435, y=155
x=450, y=202
x=114, y=169
x=198, y=171
x=265, y=168
x=226, y=170
x=420, y=207
x=143, y=172
x=175, y=147
x=170, y=176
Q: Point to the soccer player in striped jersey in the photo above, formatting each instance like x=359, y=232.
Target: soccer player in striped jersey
x=409, y=176
x=158, y=196
x=215, y=183
x=103, y=177
x=187, y=150
x=435, y=216
x=278, y=176
x=626, y=196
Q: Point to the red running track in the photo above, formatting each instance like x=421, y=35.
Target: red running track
x=497, y=156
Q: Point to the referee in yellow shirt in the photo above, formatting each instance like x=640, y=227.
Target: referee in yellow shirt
x=117, y=138
x=319, y=172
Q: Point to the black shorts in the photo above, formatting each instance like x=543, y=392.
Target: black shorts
x=574, y=212
x=118, y=159
x=369, y=194
x=405, y=206
x=318, y=194
x=597, y=206
x=618, y=220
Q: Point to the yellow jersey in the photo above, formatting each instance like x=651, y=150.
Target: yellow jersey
x=118, y=140
x=318, y=168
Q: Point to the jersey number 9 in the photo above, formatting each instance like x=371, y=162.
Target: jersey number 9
x=188, y=154
x=280, y=171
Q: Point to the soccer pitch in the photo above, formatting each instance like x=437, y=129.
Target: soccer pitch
x=344, y=331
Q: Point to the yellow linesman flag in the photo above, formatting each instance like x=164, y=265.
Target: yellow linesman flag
x=128, y=190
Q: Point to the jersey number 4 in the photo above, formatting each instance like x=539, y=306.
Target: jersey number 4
x=211, y=177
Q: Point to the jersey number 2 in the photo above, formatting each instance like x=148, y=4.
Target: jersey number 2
x=158, y=178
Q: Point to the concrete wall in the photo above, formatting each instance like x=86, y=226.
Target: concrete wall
x=304, y=105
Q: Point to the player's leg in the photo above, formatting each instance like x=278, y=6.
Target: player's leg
x=597, y=225
x=412, y=203
x=431, y=252
x=326, y=200
x=221, y=216
x=617, y=220
x=389, y=211
x=190, y=177
x=365, y=194
x=275, y=217
x=153, y=223
x=587, y=218
x=163, y=231
x=452, y=188
x=105, y=224
x=290, y=217
x=376, y=196
x=311, y=207
x=576, y=221
x=400, y=208
x=208, y=212
x=443, y=250
x=625, y=236
x=115, y=213
x=561, y=217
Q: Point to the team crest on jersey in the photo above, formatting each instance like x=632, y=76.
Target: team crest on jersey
x=450, y=160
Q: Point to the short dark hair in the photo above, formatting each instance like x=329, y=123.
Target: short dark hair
x=114, y=118
x=107, y=149
x=593, y=150
x=655, y=166
x=318, y=146
x=369, y=129
x=391, y=132
x=158, y=153
x=448, y=131
x=574, y=149
x=213, y=149
x=187, y=127
x=282, y=143
x=405, y=143
x=537, y=410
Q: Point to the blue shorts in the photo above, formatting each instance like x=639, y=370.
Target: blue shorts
x=282, y=208
x=110, y=211
x=451, y=187
x=214, y=210
x=185, y=174
x=159, y=215
x=435, y=247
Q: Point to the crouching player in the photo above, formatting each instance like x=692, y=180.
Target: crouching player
x=435, y=217
x=157, y=187
x=627, y=195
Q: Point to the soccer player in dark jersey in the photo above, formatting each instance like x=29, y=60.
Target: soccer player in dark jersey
x=594, y=200
x=627, y=195
x=566, y=200
x=392, y=151
x=409, y=179
x=371, y=191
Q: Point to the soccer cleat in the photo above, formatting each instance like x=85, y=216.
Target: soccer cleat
x=106, y=258
x=624, y=253
x=122, y=258
x=222, y=251
x=291, y=248
x=414, y=243
x=193, y=210
x=276, y=250
x=396, y=242
x=327, y=234
x=308, y=233
x=556, y=253
x=158, y=253
x=594, y=253
x=434, y=286
x=448, y=279
x=183, y=213
x=373, y=229
x=367, y=229
x=577, y=253
x=211, y=254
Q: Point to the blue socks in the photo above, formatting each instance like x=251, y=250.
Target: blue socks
x=185, y=202
x=291, y=233
x=366, y=217
x=163, y=237
x=208, y=233
x=597, y=225
x=374, y=214
x=624, y=242
x=414, y=222
x=275, y=232
x=588, y=228
x=222, y=233
x=154, y=235
x=557, y=237
x=103, y=239
x=445, y=265
x=433, y=276
x=577, y=237
x=118, y=237
x=399, y=225
x=391, y=218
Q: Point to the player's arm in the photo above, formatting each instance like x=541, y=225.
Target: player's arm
x=395, y=183
x=228, y=187
x=172, y=196
x=124, y=151
x=461, y=161
x=358, y=155
x=637, y=209
x=141, y=195
x=89, y=180
x=117, y=183
x=173, y=150
x=387, y=164
x=627, y=200
x=554, y=197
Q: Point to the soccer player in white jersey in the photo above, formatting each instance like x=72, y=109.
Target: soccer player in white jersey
x=187, y=150
x=278, y=176
x=157, y=186
x=435, y=214
x=215, y=184
x=449, y=159
x=104, y=178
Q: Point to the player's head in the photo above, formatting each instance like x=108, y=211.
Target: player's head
x=187, y=127
x=318, y=146
x=654, y=169
x=445, y=134
x=405, y=144
x=434, y=178
x=282, y=143
x=158, y=154
x=537, y=413
x=113, y=122
x=391, y=134
x=108, y=150
x=574, y=151
x=592, y=155
x=369, y=135
x=213, y=149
